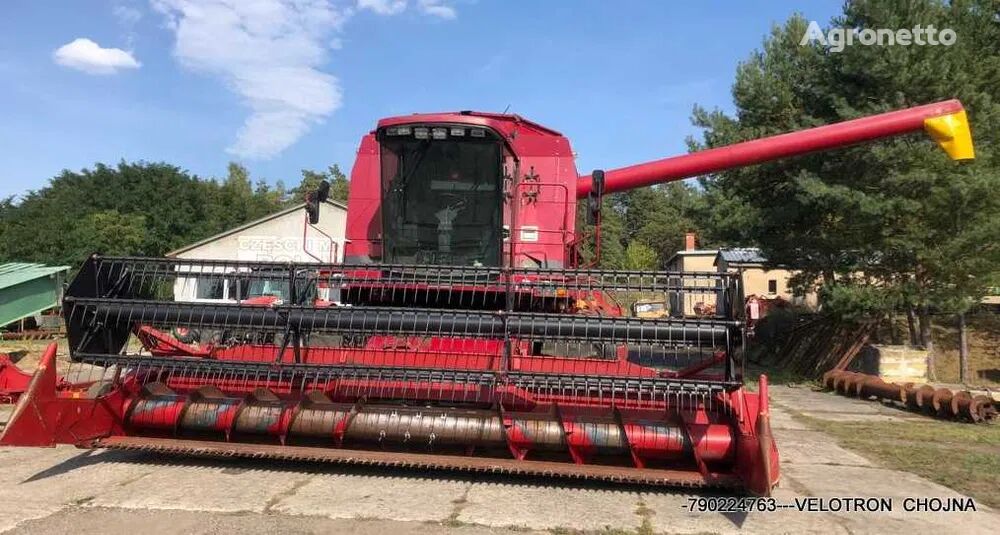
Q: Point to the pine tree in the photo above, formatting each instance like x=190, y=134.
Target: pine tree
x=896, y=218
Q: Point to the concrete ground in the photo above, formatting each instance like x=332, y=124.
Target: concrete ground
x=65, y=489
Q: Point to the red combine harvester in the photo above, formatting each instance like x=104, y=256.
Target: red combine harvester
x=460, y=333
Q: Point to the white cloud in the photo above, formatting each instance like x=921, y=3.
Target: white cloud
x=85, y=55
x=127, y=16
x=438, y=8
x=383, y=7
x=271, y=53
x=268, y=52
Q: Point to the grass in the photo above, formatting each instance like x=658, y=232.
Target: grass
x=646, y=514
x=963, y=457
x=775, y=376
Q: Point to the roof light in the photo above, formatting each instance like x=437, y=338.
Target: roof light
x=403, y=130
x=457, y=132
x=421, y=133
x=439, y=133
x=478, y=132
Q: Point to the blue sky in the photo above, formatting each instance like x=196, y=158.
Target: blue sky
x=281, y=85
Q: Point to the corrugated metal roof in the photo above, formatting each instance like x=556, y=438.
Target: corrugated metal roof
x=15, y=273
x=742, y=255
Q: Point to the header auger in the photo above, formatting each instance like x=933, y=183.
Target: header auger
x=458, y=334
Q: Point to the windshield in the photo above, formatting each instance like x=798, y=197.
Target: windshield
x=442, y=200
x=269, y=288
x=275, y=284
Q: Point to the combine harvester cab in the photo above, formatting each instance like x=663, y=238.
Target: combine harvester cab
x=455, y=337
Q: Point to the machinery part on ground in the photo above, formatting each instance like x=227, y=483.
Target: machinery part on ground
x=458, y=334
x=919, y=398
x=13, y=381
x=36, y=334
x=938, y=402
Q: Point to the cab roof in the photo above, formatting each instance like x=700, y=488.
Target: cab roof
x=506, y=124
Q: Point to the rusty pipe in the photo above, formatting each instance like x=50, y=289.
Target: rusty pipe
x=941, y=403
x=843, y=381
x=877, y=388
x=919, y=397
x=978, y=409
x=828, y=378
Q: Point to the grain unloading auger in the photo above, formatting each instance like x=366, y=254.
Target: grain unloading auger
x=458, y=334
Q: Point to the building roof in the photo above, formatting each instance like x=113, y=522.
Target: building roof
x=15, y=273
x=297, y=208
x=742, y=255
x=691, y=252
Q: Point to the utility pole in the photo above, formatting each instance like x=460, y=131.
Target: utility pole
x=963, y=350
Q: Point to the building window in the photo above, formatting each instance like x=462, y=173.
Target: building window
x=772, y=286
x=211, y=288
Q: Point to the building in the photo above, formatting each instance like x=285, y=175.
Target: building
x=991, y=301
x=759, y=279
x=279, y=237
x=27, y=290
x=284, y=236
x=696, y=260
x=692, y=258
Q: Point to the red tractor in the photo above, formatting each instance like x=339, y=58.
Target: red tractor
x=460, y=332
